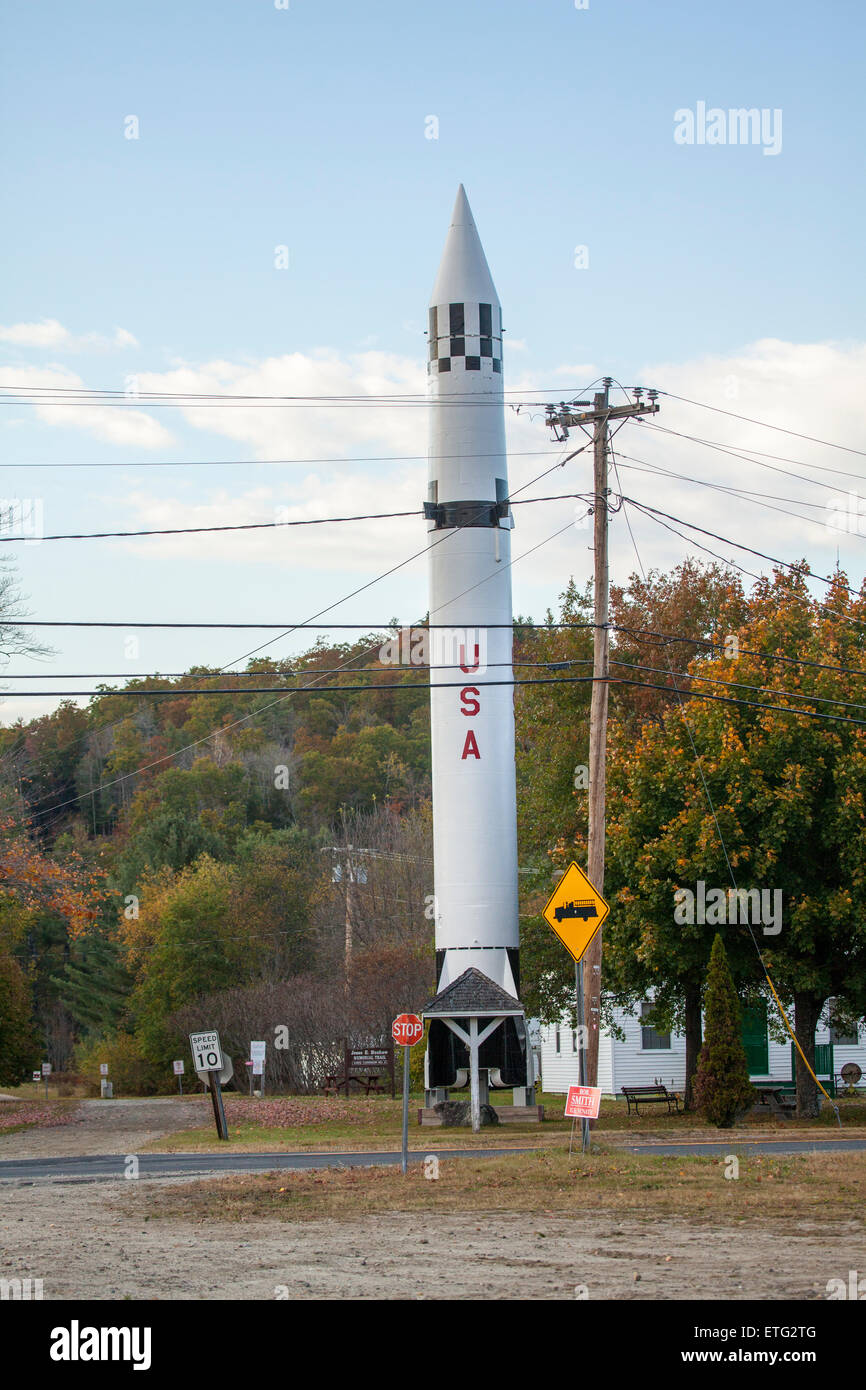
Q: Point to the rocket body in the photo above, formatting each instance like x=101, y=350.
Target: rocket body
x=471, y=698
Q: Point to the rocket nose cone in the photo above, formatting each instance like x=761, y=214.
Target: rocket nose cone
x=463, y=271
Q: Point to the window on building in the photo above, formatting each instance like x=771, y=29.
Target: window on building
x=840, y=1034
x=650, y=1039
x=558, y=1040
x=574, y=1040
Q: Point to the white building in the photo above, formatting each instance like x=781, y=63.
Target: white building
x=646, y=1055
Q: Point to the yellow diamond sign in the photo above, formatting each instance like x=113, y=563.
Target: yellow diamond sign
x=575, y=911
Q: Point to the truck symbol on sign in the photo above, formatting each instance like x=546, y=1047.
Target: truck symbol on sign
x=580, y=909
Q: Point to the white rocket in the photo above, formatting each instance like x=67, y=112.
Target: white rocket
x=469, y=534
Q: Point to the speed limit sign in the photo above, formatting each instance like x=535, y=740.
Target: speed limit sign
x=206, y=1051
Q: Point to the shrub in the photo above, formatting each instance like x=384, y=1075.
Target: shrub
x=131, y=1073
x=722, y=1088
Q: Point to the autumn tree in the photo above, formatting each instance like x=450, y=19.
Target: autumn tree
x=749, y=792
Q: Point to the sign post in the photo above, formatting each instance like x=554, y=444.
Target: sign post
x=583, y=1104
x=576, y=911
x=406, y=1030
x=257, y=1056
x=46, y=1072
x=208, y=1058
x=178, y=1071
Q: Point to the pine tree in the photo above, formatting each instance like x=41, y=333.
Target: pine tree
x=721, y=1086
x=95, y=985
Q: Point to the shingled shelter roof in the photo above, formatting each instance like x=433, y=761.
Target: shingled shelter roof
x=472, y=993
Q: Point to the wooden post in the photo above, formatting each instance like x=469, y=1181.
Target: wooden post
x=597, y=724
x=474, y=1088
x=561, y=421
x=219, y=1113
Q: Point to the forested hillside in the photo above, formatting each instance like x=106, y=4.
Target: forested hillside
x=254, y=851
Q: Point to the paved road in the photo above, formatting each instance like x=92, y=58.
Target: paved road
x=772, y=1146
x=103, y=1167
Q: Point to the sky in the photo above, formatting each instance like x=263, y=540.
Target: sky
x=249, y=197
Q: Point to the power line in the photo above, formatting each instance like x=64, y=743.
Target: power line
x=795, y=434
x=137, y=394
x=418, y=668
x=246, y=525
x=425, y=550
x=747, y=457
x=266, y=463
x=798, y=568
x=444, y=685
x=196, y=742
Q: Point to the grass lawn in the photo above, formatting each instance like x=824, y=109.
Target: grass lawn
x=784, y=1191
x=320, y=1122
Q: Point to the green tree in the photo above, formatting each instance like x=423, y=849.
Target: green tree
x=773, y=800
x=19, y=1046
x=721, y=1086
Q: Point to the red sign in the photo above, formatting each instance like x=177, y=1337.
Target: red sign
x=583, y=1103
x=407, y=1029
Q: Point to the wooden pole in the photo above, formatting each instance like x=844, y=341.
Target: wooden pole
x=597, y=722
x=588, y=974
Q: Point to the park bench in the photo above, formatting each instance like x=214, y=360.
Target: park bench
x=651, y=1095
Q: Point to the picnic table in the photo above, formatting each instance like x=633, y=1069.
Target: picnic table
x=336, y=1082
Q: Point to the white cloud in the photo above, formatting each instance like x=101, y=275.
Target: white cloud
x=580, y=372
x=50, y=333
x=118, y=424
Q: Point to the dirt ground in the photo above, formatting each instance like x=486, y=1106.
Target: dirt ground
x=94, y=1241
x=97, y=1241
x=108, y=1127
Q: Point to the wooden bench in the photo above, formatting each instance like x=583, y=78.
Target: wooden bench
x=651, y=1095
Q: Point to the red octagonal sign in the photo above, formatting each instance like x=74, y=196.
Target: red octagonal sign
x=407, y=1029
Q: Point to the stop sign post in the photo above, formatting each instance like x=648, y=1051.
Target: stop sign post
x=406, y=1031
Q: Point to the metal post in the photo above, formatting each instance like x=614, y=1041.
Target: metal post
x=180, y=1083
x=405, y=1160
x=219, y=1113
x=581, y=1051
x=474, y=1088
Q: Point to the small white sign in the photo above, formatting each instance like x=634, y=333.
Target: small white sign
x=46, y=1068
x=178, y=1067
x=37, y=1076
x=103, y=1068
x=206, y=1051
x=258, y=1066
x=258, y=1050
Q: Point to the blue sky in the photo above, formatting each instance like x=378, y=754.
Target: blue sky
x=305, y=127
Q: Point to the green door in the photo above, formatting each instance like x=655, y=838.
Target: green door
x=755, y=1040
x=823, y=1062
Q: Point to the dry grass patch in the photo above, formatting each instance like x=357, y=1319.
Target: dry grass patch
x=783, y=1190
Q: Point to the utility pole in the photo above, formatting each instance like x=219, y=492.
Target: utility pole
x=349, y=872
x=588, y=971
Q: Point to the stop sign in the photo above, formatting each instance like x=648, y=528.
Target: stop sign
x=407, y=1029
